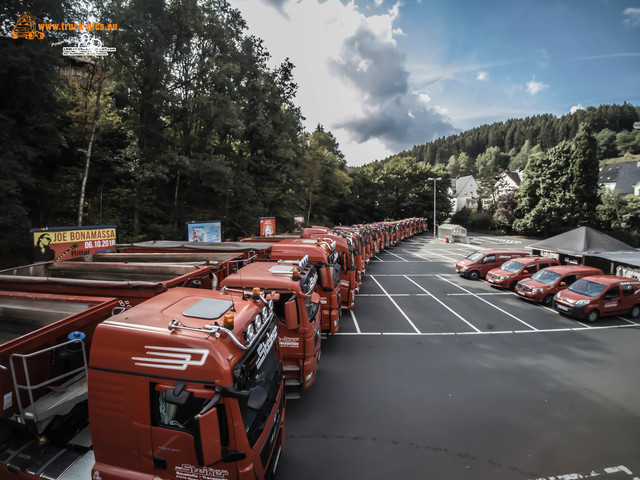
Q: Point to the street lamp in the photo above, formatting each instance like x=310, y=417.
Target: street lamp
x=434, y=203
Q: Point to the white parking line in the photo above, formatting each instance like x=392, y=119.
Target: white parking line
x=418, y=255
x=493, y=332
x=404, y=259
x=355, y=322
x=488, y=303
x=396, y=305
x=445, y=306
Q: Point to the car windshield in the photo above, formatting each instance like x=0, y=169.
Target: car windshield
x=546, y=276
x=512, y=266
x=587, y=288
x=475, y=256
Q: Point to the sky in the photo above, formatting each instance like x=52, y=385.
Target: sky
x=383, y=76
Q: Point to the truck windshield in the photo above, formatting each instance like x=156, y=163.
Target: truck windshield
x=335, y=274
x=512, y=266
x=475, y=256
x=587, y=288
x=546, y=276
x=263, y=370
x=308, y=288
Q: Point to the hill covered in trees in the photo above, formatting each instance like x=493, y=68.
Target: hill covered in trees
x=186, y=121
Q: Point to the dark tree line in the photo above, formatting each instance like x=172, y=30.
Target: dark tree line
x=543, y=130
x=186, y=121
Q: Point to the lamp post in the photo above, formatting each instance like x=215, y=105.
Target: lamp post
x=434, y=203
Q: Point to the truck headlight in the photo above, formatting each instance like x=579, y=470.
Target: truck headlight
x=582, y=303
x=536, y=290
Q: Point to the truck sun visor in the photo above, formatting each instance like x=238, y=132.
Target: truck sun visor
x=208, y=308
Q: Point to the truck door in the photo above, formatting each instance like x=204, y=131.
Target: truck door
x=611, y=300
x=184, y=444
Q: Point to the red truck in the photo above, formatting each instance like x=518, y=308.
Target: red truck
x=544, y=284
x=346, y=260
x=186, y=383
x=600, y=295
x=323, y=256
x=297, y=309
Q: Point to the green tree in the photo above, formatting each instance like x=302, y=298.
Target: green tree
x=584, y=174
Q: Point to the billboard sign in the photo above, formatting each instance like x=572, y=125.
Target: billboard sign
x=267, y=226
x=204, y=231
x=64, y=243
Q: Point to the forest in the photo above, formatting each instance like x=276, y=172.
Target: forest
x=186, y=120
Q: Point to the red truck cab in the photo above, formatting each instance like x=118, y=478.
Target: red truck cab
x=187, y=382
x=346, y=260
x=597, y=296
x=477, y=264
x=512, y=271
x=323, y=256
x=544, y=284
x=297, y=309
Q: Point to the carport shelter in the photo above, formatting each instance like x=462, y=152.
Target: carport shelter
x=575, y=245
x=624, y=264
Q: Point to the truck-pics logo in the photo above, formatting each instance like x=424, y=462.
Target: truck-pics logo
x=25, y=27
x=172, y=358
x=88, y=46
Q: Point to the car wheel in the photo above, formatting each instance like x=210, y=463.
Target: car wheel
x=547, y=301
x=593, y=315
x=635, y=312
x=475, y=275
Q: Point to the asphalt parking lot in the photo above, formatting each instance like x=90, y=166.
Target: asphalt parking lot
x=433, y=376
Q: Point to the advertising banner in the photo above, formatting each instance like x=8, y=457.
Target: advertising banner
x=267, y=226
x=298, y=223
x=204, y=231
x=63, y=243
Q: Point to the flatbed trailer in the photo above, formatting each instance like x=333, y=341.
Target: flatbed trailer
x=130, y=283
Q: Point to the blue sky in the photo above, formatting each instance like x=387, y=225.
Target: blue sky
x=383, y=76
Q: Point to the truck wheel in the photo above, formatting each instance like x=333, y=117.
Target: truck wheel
x=547, y=301
x=593, y=315
x=635, y=312
x=474, y=275
x=512, y=287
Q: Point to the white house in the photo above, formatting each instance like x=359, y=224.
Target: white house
x=464, y=193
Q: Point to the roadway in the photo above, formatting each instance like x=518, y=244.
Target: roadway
x=433, y=376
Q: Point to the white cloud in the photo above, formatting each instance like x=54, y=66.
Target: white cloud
x=633, y=17
x=482, y=76
x=350, y=72
x=535, y=88
x=441, y=110
x=577, y=107
x=423, y=97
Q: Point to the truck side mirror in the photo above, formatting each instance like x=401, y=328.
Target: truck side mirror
x=257, y=398
x=210, y=437
x=178, y=395
x=291, y=314
x=315, y=297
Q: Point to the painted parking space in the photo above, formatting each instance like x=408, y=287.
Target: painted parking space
x=476, y=394
x=414, y=283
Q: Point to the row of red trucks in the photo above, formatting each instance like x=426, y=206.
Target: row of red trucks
x=171, y=360
x=579, y=291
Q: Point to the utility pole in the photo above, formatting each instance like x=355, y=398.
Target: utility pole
x=434, y=203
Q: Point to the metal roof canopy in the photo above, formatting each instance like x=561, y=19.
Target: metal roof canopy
x=582, y=241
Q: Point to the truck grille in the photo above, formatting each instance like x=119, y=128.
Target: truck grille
x=524, y=288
